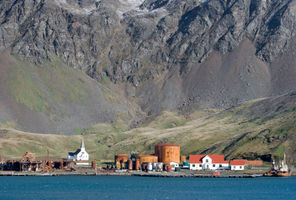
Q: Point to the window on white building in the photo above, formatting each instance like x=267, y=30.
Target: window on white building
x=200, y=165
x=240, y=167
x=220, y=165
x=214, y=165
x=207, y=160
x=193, y=165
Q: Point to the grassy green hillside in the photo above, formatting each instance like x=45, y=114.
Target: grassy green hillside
x=52, y=97
x=256, y=129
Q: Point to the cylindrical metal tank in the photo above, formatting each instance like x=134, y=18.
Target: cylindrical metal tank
x=150, y=166
x=130, y=165
x=147, y=158
x=117, y=165
x=168, y=168
x=137, y=164
x=94, y=164
x=159, y=167
x=154, y=165
x=167, y=152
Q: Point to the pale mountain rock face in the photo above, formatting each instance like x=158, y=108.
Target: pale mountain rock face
x=164, y=54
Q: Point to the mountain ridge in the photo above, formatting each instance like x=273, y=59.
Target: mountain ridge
x=162, y=54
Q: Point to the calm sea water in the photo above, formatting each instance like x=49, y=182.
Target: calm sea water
x=117, y=187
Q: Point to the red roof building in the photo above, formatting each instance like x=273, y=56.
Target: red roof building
x=254, y=162
x=215, y=159
x=208, y=162
x=237, y=164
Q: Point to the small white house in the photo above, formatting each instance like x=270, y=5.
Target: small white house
x=208, y=162
x=79, y=154
x=237, y=165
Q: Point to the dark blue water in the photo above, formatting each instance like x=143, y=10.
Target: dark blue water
x=116, y=187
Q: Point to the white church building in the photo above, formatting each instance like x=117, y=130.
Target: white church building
x=79, y=154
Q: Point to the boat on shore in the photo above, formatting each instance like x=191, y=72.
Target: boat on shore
x=281, y=170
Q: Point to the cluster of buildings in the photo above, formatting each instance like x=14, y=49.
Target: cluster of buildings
x=30, y=163
x=167, y=157
x=218, y=162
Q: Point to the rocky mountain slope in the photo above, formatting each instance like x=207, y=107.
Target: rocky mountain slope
x=53, y=98
x=161, y=54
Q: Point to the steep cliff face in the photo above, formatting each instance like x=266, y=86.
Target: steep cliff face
x=164, y=54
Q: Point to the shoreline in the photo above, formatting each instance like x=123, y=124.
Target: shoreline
x=137, y=174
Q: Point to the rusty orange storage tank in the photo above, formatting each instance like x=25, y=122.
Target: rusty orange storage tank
x=167, y=152
x=137, y=164
x=147, y=158
x=130, y=165
x=117, y=165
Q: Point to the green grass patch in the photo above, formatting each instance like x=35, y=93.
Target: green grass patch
x=44, y=88
x=8, y=124
x=168, y=120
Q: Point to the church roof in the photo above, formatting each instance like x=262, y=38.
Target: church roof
x=74, y=153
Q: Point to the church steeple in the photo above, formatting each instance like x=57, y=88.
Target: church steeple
x=82, y=145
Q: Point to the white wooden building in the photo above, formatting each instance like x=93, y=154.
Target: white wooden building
x=208, y=162
x=237, y=165
x=79, y=154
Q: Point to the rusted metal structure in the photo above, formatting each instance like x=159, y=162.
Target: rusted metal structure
x=29, y=157
x=130, y=165
x=137, y=167
x=168, y=168
x=121, y=161
x=28, y=162
x=122, y=157
x=94, y=164
x=167, y=152
x=147, y=158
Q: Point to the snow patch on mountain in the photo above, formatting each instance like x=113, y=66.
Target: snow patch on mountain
x=75, y=8
x=128, y=5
